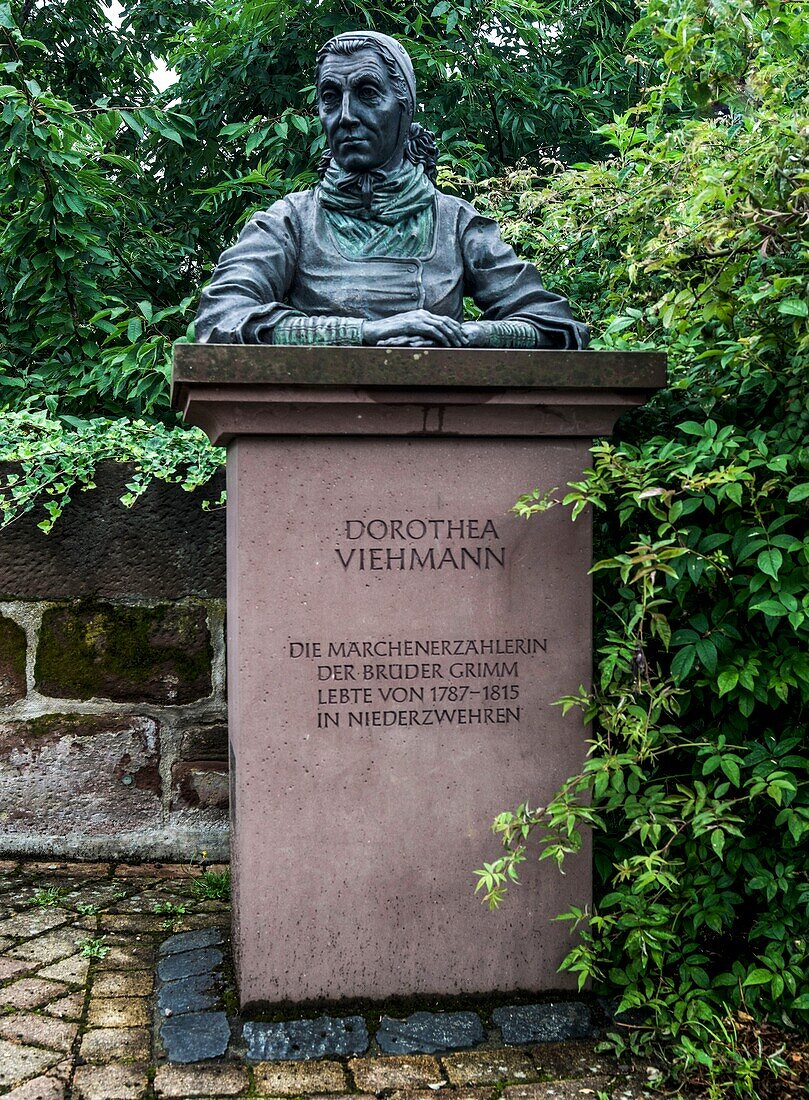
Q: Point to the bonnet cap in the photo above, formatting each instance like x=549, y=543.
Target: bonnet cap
x=391, y=49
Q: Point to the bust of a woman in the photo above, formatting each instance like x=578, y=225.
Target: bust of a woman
x=375, y=254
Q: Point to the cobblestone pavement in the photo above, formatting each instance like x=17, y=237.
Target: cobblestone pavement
x=80, y=946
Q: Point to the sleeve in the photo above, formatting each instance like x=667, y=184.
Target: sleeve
x=245, y=299
x=509, y=290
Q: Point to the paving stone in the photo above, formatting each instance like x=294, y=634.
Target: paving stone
x=39, y=1088
x=153, y=870
x=195, y=994
x=123, y=983
x=299, y=1078
x=397, y=1072
x=110, y=1082
x=488, y=1067
x=66, y=1008
x=72, y=970
x=34, y=921
x=132, y=957
x=190, y=922
x=30, y=992
x=132, y=922
x=12, y=968
x=49, y=948
x=190, y=941
x=430, y=1032
x=87, y=924
x=117, y=1012
x=101, y=893
x=544, y=1023
x=487, y=1093
x=582, y=1088
x=18, y=1063
x=116, y=1044
x=25, y=1027
x=71, y=869
x=297, y=1040
x=201, y=961
x=633, y=1087
x=195, y=1036
x=181, y=1082
x=577, y=1058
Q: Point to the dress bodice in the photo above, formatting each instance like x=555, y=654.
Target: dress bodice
x=327, y=283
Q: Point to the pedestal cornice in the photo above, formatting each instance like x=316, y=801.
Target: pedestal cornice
x=230, y=390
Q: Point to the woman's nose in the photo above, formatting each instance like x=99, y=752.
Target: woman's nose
x=347, y=114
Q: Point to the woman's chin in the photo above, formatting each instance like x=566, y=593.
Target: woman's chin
x=357, y=162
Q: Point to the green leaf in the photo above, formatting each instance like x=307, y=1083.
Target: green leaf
x=133, y=123
x=706, y=651
x=794, y=307
x=770, y=607
x=727, y=680
x=770, y=561
x=731, y=770
x=758, y=976
x=683, y=662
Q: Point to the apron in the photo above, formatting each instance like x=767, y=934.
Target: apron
x=329, y=284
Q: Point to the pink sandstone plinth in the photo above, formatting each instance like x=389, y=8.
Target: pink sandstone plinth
x=396, y=640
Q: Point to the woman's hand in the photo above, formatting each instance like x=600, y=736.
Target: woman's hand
x=417, y=328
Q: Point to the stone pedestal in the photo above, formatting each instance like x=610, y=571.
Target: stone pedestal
x=396, y=640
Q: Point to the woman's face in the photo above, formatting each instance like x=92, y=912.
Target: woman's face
x=359, y=111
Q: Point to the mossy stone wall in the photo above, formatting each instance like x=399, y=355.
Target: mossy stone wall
x=113, y=720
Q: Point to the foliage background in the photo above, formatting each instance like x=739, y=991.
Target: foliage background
x=652, y=159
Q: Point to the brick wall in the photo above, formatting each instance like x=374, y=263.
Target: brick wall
x=113, y=719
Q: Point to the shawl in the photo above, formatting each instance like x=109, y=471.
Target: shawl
x=379, y=213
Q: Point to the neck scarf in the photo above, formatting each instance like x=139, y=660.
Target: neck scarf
x=379, y=213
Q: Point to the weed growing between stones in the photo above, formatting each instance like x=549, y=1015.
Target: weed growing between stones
x=172, y=911
x=211, y=886
x=48, y=896
x=93, y=948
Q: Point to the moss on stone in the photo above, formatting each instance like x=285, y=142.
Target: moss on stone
x=129, y=654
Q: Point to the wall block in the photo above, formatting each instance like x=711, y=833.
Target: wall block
x=89, y=775
x=12, y=661
x=200, y=783
x=128, y=654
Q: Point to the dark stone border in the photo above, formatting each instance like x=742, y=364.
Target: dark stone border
x=192, y=1023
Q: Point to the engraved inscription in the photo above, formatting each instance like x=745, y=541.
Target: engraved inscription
x=417, y=544
x=367, y=684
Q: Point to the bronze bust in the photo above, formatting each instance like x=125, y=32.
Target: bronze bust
x=375, y=254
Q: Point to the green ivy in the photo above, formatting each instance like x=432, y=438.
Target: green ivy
x=49, y=463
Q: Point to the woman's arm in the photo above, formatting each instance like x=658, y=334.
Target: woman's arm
x=245, y=299
x=518, y=311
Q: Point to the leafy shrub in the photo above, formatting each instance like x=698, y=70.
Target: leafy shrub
x=693, y=237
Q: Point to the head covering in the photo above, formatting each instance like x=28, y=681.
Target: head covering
x=391, y=49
